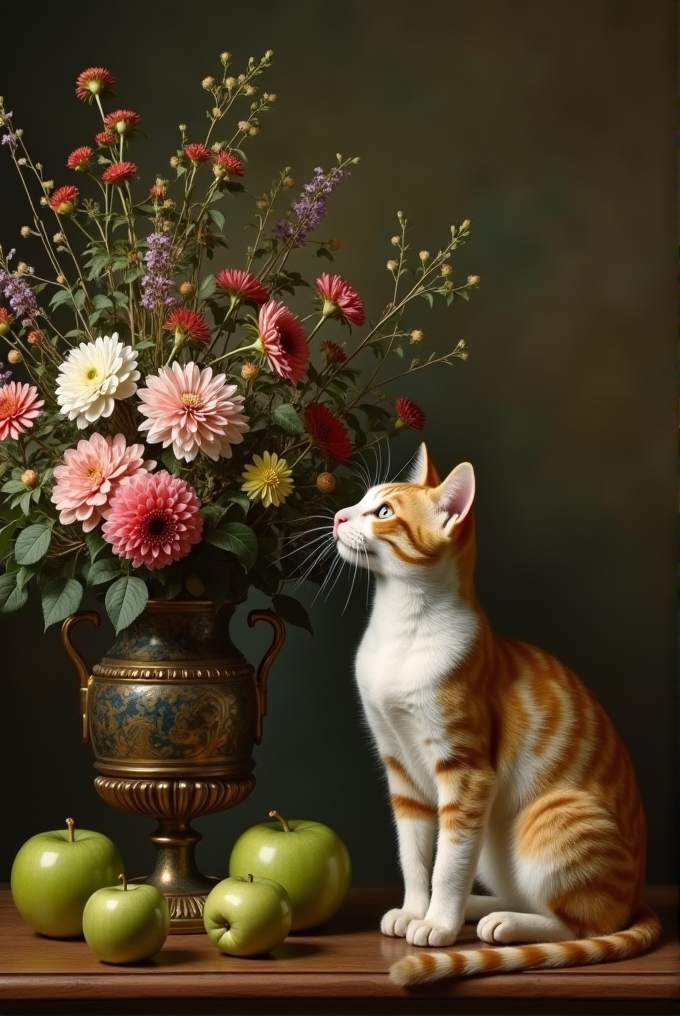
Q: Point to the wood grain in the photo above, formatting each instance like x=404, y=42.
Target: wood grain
x=347, y=960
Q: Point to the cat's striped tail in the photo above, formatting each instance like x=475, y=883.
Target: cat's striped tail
x=424, y=967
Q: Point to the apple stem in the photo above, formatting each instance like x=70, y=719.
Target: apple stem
x=286, y=827
x=122, y=878
x=250, y=877
x=71, y=834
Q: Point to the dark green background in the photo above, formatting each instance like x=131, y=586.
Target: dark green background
x=550, y=125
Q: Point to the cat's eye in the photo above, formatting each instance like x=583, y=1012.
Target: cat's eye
x=384, y=511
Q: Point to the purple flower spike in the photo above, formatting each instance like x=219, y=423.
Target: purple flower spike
x=310, y=208
x=157, y=283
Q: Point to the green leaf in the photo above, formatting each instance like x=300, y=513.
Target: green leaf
x=259, y=423
x=428, y=297
x=60, y=598
x=464, y=293
x=322, y=252
x=12, y=595
x=170, y=462
x=79, y=298
x=237, y=538
x=24, y=502
x=286, y=417
x=101, y=302
x=95, y=543
x=212, y=515
x=207, y=287
x=242, y=500
x=292, y=611
x=217, y=217
x=6, y=534
x=32, y=544
x=61, y=296
x=146, y=344
x=103, y=571
x=125, y=600
x=13, y=487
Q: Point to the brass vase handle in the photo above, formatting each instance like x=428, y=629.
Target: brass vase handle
x=78, y=662
x=272, y=618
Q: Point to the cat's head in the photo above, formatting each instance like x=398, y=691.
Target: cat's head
x=397, y=529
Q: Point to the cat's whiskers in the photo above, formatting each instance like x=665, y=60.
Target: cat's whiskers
x=322, y=553
x=307, y=546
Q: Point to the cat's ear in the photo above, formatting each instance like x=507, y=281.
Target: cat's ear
x=455, y=495
x=423, y=471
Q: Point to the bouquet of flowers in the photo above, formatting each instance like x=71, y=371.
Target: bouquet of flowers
x=179, y=424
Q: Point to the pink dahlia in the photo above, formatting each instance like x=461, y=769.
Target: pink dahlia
x=62, y=200
x=19, y=406
x=93, y=81
x=80, y=158
x=283, y=341
x=339, y=299
x=226, y=164
x=119, y=172
x=91, y=474
x=188, y=408
x=153, y=519
x=197, y=153
x=241, y=286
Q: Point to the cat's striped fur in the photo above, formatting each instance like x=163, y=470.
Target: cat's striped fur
x=500, y=763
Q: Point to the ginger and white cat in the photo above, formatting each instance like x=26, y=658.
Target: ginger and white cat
x=501, y=765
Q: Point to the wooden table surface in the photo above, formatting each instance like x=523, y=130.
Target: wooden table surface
x=341, y=968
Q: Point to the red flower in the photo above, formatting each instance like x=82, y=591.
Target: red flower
x=61, y=200
x=410, y=413
x=328, y=432
x=5, y=320
x=80, y=159
x=283, y=340
x=226, y=163
x=190, y=324
x=105, y=138
x=197, y=153
x=157, y=192
x=241, y=286
x=339, y=299
x=93, y=81
x=333, y=352
x=122, y=121
x=119, y=172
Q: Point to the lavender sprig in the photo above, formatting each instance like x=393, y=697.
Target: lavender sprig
x=310, y=208
x=20, y=295
x=157, y=283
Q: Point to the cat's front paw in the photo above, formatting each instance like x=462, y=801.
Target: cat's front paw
x=396, y=922
x=429, y=934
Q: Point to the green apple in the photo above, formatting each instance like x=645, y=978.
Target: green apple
x=126, y=923
x=309, y=860
x=55, y=873
x=247, y=916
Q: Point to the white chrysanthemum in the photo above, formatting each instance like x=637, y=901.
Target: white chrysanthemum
x=93, y=376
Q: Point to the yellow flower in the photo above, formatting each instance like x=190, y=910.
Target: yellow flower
x=268, y=480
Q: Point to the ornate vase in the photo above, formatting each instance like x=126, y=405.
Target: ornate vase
x=172, y=712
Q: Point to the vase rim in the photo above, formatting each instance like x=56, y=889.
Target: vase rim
x=175, y=606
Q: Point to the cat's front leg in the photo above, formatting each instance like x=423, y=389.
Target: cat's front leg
x=416, y=822
x=465, y=799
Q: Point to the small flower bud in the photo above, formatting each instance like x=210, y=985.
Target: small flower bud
x=446, y=270
x=22, y=268
x=241, y=78
x=48, y=185
x=231, y=83
x=14, y=356
x=34, y=338
x=225, y=57
x=22, y=161
x=395, y=241
x=392, y=266
x=473, y=280
x=61, y=279
x=65, y=208
x=187, y=288
x=243, y=125
x=174, y=162
x=250, y=89
x=168, y=203
x=253, y=130
x=217, y=147
x=58, y=238
x=217, y=112
x=334, y=243
x=182, y=128
x=19, y=132
x=288, y=181
x=5, y=322
x=25, y=231
x=424, y=255
x=262, y=203
x=249, y=371
x=326, y=483
x=448, y=284
x=30, y=478
x=417, y=335
x=271, y=97
x=269, y=54
x=38, y=166
x=465, y=225
x=43, y=200
x=207, y=83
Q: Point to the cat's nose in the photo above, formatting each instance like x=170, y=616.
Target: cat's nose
x=339, y=517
